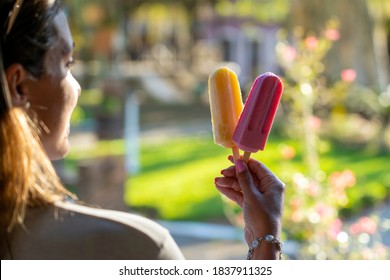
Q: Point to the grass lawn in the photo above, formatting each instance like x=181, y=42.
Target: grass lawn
x=177, y=176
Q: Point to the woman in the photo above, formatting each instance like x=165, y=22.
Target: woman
x=39, y=218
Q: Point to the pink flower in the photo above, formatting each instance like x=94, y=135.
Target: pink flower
x=288, y=152
x=335, y=228
x=378, y=251
x=348, y=75
x=364, y=225
x=332, y=34
x=315, y=122
x=296, y=204
x=311, y=42
x=289, y=54
x=297, y=214
x=342, y=180
x=323, y=210
x=349, y=178
x=368, y=225
x=313, y=189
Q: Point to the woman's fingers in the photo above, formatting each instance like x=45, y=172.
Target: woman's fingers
x=265, y=176
x=230, y=193
x=228, y=183
x=229, y=172
x=250, y=180
x=259, y=169
x=245, y=178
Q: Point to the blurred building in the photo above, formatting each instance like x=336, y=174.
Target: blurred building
x=196, y=35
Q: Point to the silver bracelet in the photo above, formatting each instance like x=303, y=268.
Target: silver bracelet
x=267, y=238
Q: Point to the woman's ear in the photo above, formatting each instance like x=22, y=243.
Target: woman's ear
x=16, y=76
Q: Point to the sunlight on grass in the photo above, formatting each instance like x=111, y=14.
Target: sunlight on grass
x=179, y=192
x=177, y=179
x=177, y=176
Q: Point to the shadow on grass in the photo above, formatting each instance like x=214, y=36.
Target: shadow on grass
x=208, y=210
x=178, y=153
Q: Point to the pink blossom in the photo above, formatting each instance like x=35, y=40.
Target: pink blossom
x=311, y=42
x=296, y=204
x=339, y=182
x=349, y=178
x=342, y=180
x=368, y=225
x=288, y=152
x=354, y=229
x=378, y=251
x=348, y=75
x=335, y=228
x=364, y=225
x=332, y=34
x=334, y=179
x=323, y=210
x=297, y=214
x=290, y=54
x=314, y=189
x=315, y=122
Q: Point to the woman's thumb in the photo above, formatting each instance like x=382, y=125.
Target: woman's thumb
x=244, y=177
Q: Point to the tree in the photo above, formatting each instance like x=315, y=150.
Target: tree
x=355, y=49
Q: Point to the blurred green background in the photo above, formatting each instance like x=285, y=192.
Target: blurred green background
x=143, y=120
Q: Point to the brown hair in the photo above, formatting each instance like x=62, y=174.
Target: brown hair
x=27, y=177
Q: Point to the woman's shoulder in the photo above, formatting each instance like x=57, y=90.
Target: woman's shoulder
x=68, y=230
x=97, y=217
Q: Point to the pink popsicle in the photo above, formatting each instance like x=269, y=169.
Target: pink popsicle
x=256, y=119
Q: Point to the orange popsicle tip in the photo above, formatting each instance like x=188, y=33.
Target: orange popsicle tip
x=225, y=105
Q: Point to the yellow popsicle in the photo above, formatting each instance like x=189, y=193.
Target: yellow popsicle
x=225, y=106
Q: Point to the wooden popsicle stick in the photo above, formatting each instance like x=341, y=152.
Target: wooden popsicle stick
x=246, y=156
x=236, y=153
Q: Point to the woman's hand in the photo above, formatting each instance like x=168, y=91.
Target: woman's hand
x=260, y=194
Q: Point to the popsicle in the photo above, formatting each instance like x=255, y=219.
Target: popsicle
x=225, y=106
x=257, y=117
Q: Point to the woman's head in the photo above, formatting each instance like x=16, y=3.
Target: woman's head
x=37, y=96
x=37, y=55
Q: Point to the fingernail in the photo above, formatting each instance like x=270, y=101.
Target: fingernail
x=216, y=180
x=240, y=165
x=230, y=158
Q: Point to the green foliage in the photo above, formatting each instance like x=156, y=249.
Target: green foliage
x=88, y=101
x=262, y=11
x=347, y=113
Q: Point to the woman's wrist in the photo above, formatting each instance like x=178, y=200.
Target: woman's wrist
x=267, y=247
x=252, y=234
x=264, y=243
